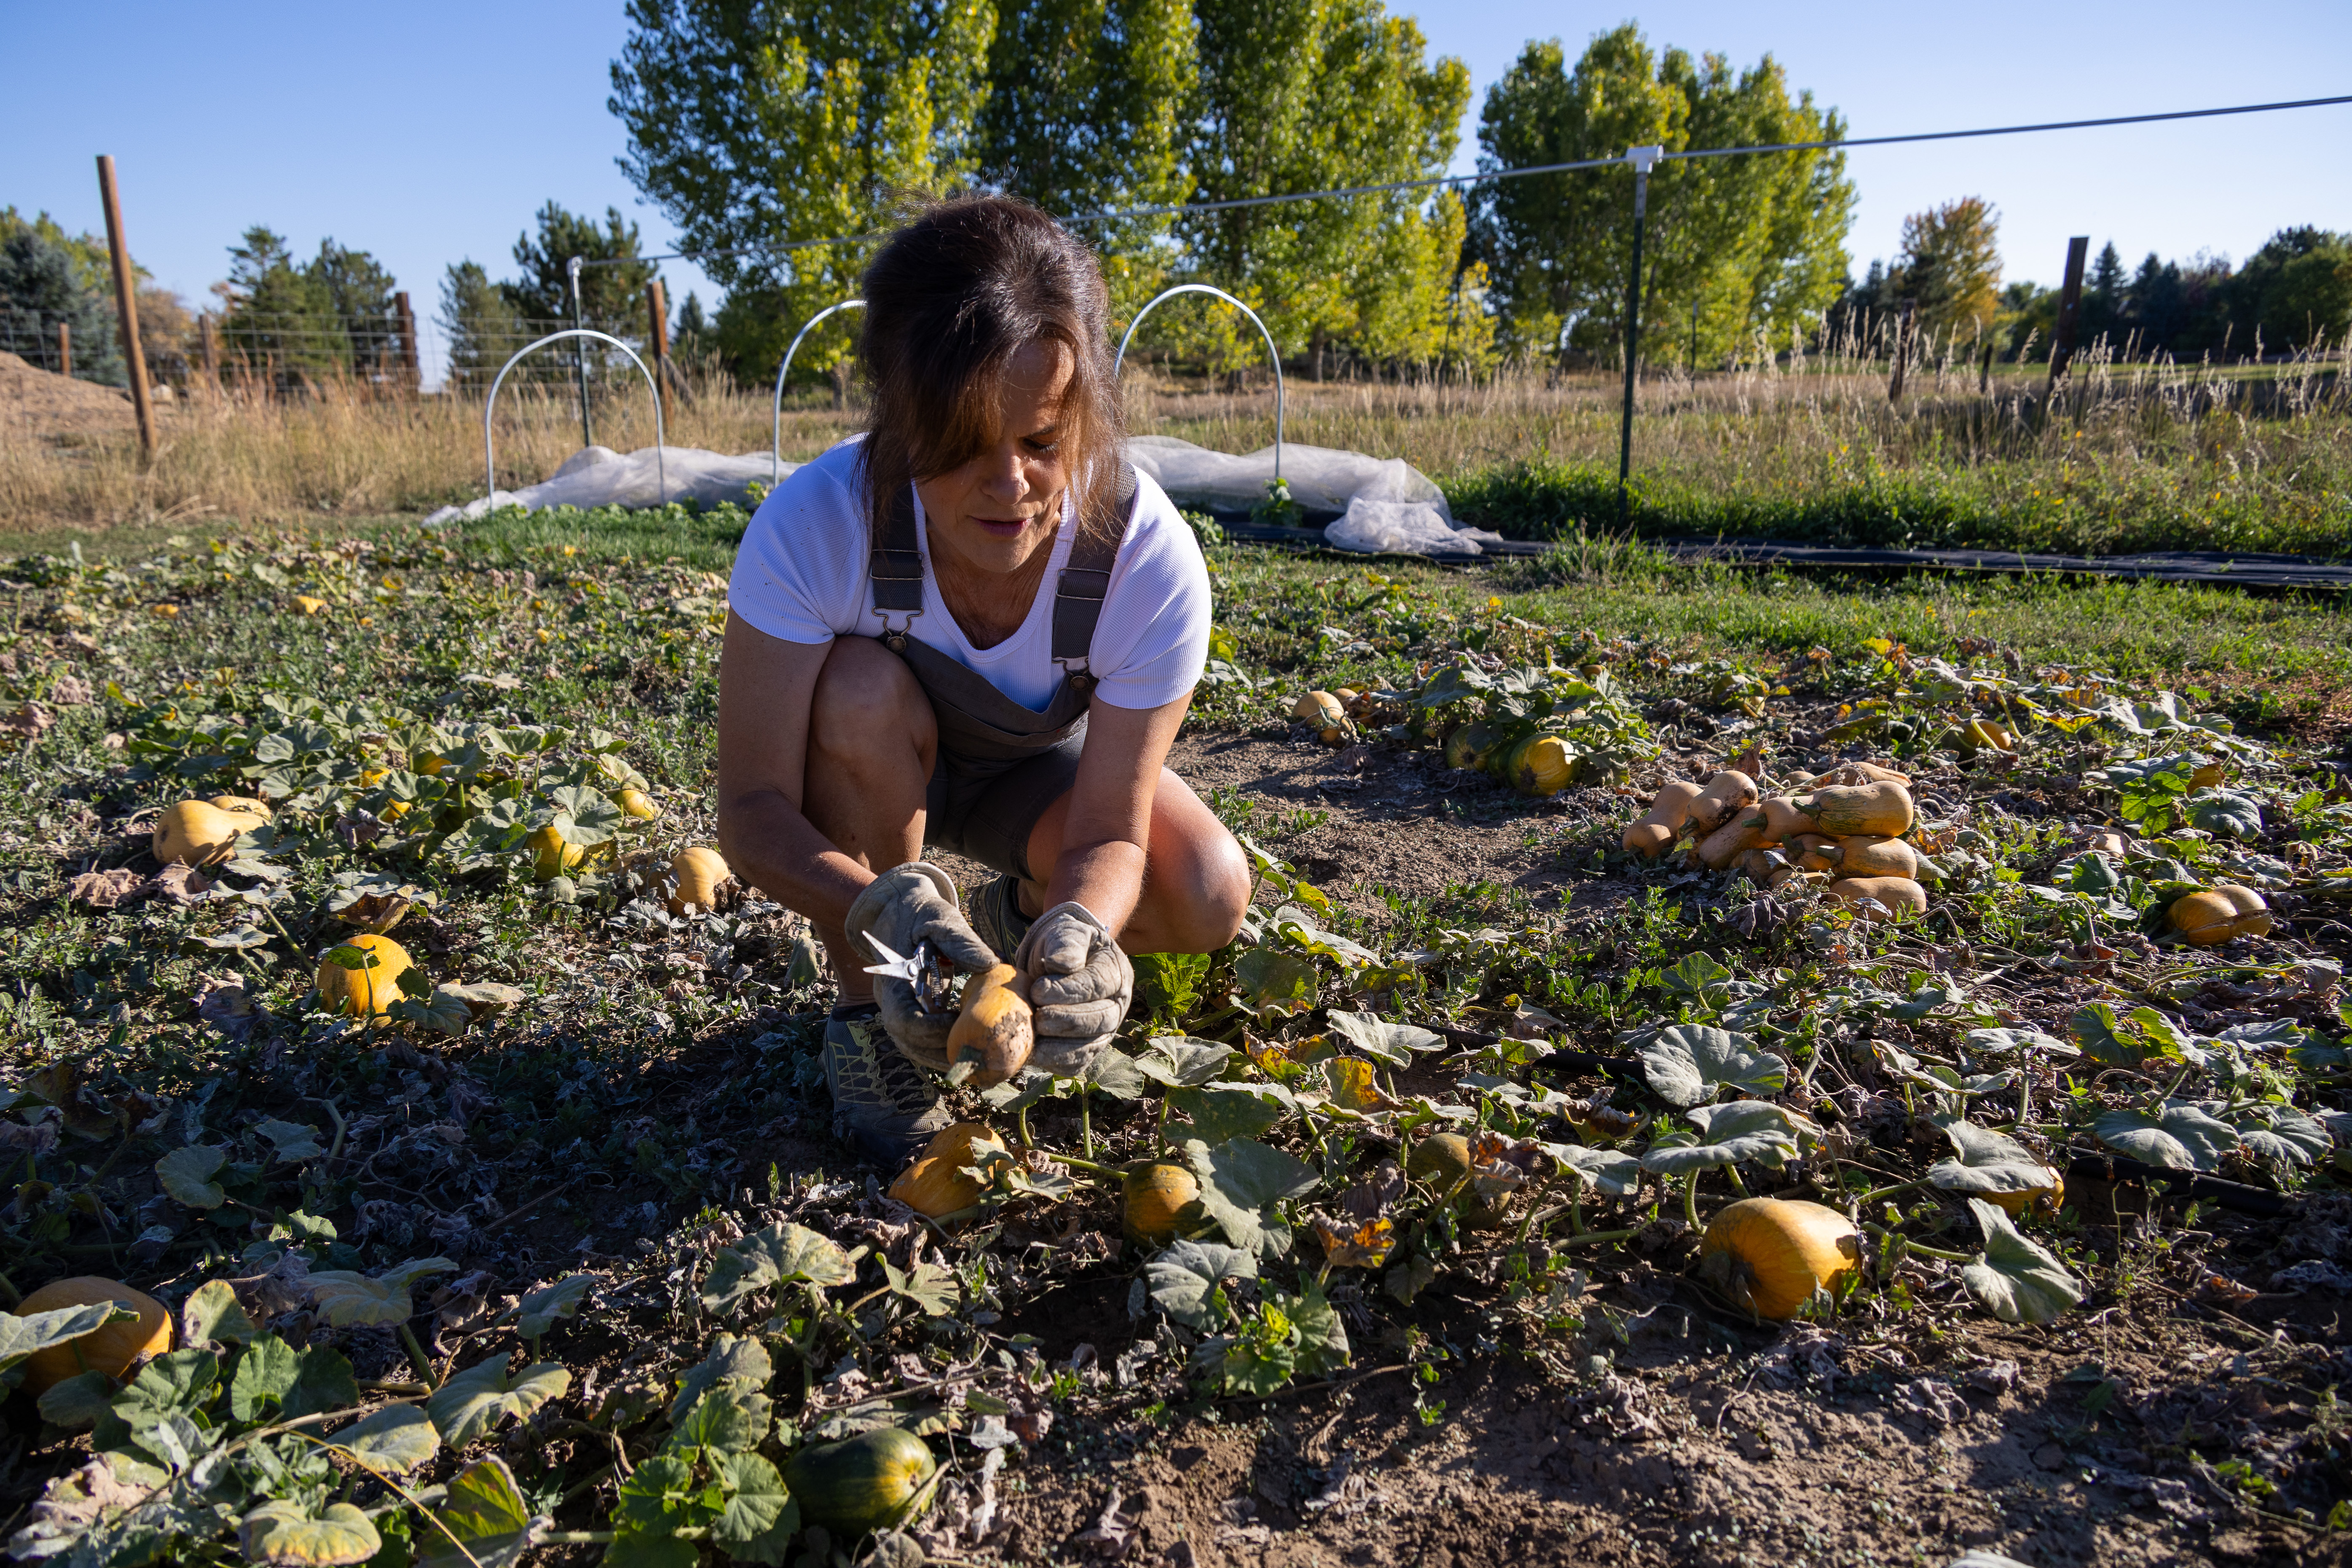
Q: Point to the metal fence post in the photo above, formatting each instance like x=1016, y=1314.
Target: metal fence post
x=579, y=351
x=1642, y=159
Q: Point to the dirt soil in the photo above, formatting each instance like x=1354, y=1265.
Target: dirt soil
x=40, y=405
x=1902, y=1442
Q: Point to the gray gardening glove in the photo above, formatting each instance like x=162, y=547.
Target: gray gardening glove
x=906, y=905
x=1079, y=985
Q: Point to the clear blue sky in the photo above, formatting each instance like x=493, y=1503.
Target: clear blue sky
x=431, y=131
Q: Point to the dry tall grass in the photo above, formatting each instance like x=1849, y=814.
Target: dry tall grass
x=1783, y=427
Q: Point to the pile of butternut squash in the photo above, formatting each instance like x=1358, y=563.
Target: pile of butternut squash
x=1846, y=830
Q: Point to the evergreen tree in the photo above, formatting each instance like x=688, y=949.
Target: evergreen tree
x=281, y=321
x=612, y=296
x=2102, y=294
x=358, y=291
x=481, y=324
x=42, y=283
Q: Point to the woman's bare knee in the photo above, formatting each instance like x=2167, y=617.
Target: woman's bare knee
x=1195, y=874
x=867, y=703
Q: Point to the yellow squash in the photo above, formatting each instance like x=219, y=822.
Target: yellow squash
x=638, y=803
x=551, y=855
x=112, y=1348
x=1160, y=1199
x=934, y=1187
x=1537, y=765
x=700, y=873
x=2219, y=914
x=1468, y=747
x=364, y=993
x=1769, y=1254
x=198, y=832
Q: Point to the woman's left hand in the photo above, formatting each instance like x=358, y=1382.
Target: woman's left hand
x=1080, y=985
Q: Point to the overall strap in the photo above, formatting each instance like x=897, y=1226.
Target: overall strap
x=1078, y=598
x=897, y=568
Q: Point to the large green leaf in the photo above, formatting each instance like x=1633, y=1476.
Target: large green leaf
x=782, y=1254
x=761, y=1518
x=1609, y=1171
x=1690, y=1064
x=2226, y=813
x=741, y=1363
x=349, y=1299
x=2016, y=1279
x=1241, y=1183
x=541, y=1308
x=272, y=1375
x=1183, y=1279
x=214, y=1316
x=1322, y=1337
x=1729, y=1134
x=186, y=1175
x=1997, y=1042
x=2278, y=1133
x=473, y=1402
x=1181, y=1062
x=2177, y=1136
x=1222, y=1111
x=283, y=1533
x=1988, y=1162
x=1113, y=1073
x=482, y=1521
x=395, y=1438
x=1273, y=984
x=1392, y=1043
x=20, y=1337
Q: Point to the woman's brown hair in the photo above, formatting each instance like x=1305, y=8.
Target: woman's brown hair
x=949, y=301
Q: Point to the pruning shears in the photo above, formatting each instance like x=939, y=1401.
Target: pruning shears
x=924, y=971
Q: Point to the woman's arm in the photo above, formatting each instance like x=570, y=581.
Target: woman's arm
x=766, y=686
x=1101, y=862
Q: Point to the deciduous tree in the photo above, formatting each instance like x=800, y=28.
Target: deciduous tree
x=1950, y=268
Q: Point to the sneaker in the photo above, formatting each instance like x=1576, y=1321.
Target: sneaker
x=883, y=1106
x=996, y=915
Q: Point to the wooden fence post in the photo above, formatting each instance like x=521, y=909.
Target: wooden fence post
x=212, y=353
x=2070, y=309
x=1904, y=327
x=126, y=305
x=412, y=377
x=657, y=311
x=65, y=350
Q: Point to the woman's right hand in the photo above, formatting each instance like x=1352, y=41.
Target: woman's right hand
x=903, y=907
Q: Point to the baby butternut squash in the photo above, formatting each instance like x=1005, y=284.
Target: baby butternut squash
x=1783, y=818
x=1813, y=851
x=1880, y=810
x=1654, y=832
x=1767, y=868
x=993, y=1031
x=1769, y=1254
x=1858, y=773
x=1742, y=832
x=1898, y=895
x=2218, y=914
x=1724, y=794
x=1864, y=856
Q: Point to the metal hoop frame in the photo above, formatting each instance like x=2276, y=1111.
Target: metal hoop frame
x=776, y=405
x=1245, y=310
x=661, y=438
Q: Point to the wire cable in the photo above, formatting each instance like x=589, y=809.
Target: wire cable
x=1487, y=175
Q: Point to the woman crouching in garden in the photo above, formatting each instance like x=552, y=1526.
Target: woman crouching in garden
x=974, y=627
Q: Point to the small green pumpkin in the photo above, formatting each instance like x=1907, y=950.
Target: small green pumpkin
x=861, y=1484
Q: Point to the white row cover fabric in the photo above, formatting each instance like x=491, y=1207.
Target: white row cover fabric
x=598, y=475
x=1388, y=505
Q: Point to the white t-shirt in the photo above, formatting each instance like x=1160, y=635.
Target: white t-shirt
x=802, y=575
